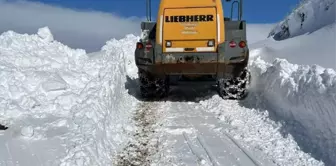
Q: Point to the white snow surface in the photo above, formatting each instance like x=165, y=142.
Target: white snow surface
x=66, y=107
x=210, y=131
x=62, y=107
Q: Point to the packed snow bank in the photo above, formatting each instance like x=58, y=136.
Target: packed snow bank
x=309, y=16
x=295, y=89
x=125, y=48
x=62, y=107
x=304, y=98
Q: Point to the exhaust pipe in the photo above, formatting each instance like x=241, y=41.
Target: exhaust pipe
x=148, y=10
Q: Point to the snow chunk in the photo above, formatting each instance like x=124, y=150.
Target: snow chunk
x=54, y=84
x=45, y=34
x=27, y=131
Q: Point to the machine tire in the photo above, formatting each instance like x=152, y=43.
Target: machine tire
x=236, y=88
x=151, y=86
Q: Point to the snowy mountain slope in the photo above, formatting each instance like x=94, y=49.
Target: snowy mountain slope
x=307, y=17
x=317, y=48
x=61, y=106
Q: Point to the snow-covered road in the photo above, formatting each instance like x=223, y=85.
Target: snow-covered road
x=194, y=137
x=66, y=107
x=194, y=126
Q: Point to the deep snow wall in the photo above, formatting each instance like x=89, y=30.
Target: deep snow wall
x=307, y=17
x=59, y=92
x=303, y=98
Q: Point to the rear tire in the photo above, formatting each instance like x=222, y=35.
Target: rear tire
x=236, y=88
x=151, y=86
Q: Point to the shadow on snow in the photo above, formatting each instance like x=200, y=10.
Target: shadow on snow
x=189, y=93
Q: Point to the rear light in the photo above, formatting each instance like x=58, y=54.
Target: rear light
x=168, y=44
x=211, y=43
x=139, y=45
x=242, y=44
x=149, y=46
x=232, y=44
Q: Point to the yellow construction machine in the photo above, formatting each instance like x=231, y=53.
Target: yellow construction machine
x=192, y=41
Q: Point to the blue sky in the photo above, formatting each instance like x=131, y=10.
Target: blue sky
x=98, y=21
x=260, y=11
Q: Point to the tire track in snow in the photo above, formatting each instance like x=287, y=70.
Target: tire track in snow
x=200, y=159
x=143, y=144
x=235, y=151
x=190, y=138
x=204, y=145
